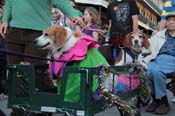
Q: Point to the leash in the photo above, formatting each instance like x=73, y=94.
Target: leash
x=29, y=56
x=38, y=58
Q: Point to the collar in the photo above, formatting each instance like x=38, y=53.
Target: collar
x=59, y=49
x=168, y=35
x=130, y=52
x=69, y=31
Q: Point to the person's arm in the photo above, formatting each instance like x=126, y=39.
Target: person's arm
x=135, y=23
x=66, y=8
x=134, y=12
x=156, y=42
x=95, y=35
x=109, y=16
x=78, y=29
x=110, y=23
x=7, y=12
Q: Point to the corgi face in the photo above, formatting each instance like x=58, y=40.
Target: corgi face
x=52, y=37
x=57, y=39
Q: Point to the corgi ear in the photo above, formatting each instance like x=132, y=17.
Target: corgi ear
x=60, y=34
x=145, y=41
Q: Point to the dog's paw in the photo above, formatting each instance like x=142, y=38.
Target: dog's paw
x=141, y=61
x=144, y=65
x=146, y=52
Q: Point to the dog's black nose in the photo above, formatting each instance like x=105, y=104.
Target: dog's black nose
x=136, y=41
x=35, y=41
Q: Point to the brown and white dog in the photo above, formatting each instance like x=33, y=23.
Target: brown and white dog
x=76, y=49
x=137, y=43
x=57, y=39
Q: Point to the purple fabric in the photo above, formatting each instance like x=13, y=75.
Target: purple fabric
x=88, y=31
x=97, y=95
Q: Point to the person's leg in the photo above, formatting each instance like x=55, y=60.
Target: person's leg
x=43, y=80
x=1, y=88
x=151, y=68
x=173, y=100
x=14, y=44
x=29, y=37
x=160, y=91
x=3, y=67
x=159, y=82
x=2, y=113
x=21, y=41
x=157, y=71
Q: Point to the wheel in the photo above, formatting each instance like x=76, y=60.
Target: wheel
x=2, y=113
x=42, y=114
x=29, y=113
x=138, y=113
x=18, y=112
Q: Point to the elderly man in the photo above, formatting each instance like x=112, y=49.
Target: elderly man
x=168, y=6
x=161, y=62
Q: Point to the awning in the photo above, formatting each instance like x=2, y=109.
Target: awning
x=145, y=26
x=103, y=3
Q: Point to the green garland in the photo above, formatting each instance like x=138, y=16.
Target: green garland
x=144, y=90
x=111, y=98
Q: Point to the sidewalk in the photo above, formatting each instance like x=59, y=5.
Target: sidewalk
x=110, y=112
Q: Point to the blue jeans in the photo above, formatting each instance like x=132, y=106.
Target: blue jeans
x=156, y=73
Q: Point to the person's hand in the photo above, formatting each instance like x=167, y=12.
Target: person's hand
x=3, y=28
x=136, y=32
x=77, y=20
x=78, y=29
x=142, y=62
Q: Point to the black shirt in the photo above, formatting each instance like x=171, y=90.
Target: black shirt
x=120, y=13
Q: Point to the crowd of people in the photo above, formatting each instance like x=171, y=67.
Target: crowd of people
x=20, y=30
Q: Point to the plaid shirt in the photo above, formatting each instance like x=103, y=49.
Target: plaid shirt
x=169, y=45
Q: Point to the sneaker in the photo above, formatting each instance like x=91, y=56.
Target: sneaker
x=146, y=100
x=173, y=100
x=162, y=109
x=2, y=113
x=3, y=96
x=152, y=107
x=164, y=106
